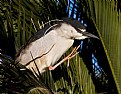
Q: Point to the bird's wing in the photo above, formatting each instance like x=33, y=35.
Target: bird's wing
x=37, y=48
x=37, y=35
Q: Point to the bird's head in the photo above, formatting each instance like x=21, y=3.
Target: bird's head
x=75, y=30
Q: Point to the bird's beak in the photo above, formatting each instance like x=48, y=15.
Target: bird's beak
x=87, y=34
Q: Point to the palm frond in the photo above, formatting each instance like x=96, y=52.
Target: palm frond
x=18, y=79
x=106, y=19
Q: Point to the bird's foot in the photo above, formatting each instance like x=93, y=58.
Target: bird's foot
x=71, y=55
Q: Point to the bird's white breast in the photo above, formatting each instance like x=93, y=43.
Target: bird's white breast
x=59, y=49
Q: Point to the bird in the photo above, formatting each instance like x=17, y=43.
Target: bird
x=46, y=47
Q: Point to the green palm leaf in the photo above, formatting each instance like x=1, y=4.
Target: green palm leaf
x=107, y=20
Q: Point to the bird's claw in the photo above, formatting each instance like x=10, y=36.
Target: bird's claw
x=71, y=55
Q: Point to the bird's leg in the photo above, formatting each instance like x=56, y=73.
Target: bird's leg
x=71, y=55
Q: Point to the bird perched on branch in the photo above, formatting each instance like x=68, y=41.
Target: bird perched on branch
x=47, y=46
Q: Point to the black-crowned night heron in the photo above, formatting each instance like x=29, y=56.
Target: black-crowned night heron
x=47, y=46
